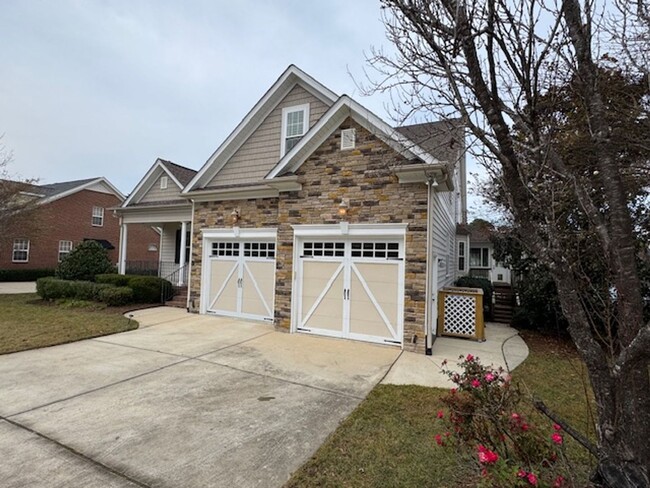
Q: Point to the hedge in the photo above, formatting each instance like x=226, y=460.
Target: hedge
x=113, y=279
x=146, y=289
x=485, y=285
x=24, y=274
x=53, y=288
x=115, y=296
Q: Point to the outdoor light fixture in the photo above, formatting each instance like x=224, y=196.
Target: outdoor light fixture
x=343, y=208
x=235, y=216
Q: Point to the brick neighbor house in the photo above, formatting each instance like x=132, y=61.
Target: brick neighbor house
x=66, y=214
x=316, y=216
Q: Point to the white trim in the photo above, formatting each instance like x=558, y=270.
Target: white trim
x=163, y=182
x=239, y=233
x=84, y=186
x=98, y=216
x=149, y=179
x=13, y=250
x=304, y=108
x=349, y=230
x=287, y=80
x=330, y=122
x=64, y=251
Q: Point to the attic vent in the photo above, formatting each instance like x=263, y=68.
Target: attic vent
x=163, y=183
x=348, y=139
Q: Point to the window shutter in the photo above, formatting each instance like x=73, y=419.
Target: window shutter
x=348, y=139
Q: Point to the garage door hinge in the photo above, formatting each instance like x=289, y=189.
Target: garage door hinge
x=302, y=328
x=268, y=319
x=392, y=342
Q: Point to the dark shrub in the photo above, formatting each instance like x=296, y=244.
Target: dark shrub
x=148, y=289
x=116, y=296
x=84, y=262
x=24, y=274
x=113, y=279
x=54, y=288
x=485, y=285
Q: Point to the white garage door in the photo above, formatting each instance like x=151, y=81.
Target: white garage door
x=242, y=278
x=351, y=288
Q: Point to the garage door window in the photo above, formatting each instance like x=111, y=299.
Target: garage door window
x=381, y=250
x=259, y=249
x=225, y=249
x=323, y=249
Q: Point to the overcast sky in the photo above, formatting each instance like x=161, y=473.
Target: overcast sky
x=103, y=88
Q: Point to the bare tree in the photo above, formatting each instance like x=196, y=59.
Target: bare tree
x=17, y=195
x=503, y=66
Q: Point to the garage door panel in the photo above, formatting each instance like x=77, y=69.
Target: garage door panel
x=382, y=279
x=367, y=316
x=262, y=274
x=223, y=286
x=326, y=311
x=316, y=276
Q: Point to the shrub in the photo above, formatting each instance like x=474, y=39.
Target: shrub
x=147, y=289
x=115, y=296
x=486, y=424
x=113, y=279
x=85, y=261
x=485, y=285
x=54, y=288
x=24, y=274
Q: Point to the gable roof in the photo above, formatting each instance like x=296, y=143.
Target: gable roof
x=441, y=139
x=180, y=175
x=55, y=191
x=343, y=108
x=273, y=96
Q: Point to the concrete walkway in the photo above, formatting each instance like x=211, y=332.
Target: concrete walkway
x=14, y=287
x=503, y=347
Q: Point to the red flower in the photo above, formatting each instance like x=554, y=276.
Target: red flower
x=440, y=414
x=559, y=482
x=521, y=473
x=453, y=390
x=557, y=438
x=485, y=456
x=525, y=427
x=557, y=427
x=532, y=479
x=438, y=438
x=469, y=358
x=516, y=417
x=476, y=383
x=489, y=377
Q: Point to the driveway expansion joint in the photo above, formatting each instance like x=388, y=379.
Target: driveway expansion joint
x=77, y=453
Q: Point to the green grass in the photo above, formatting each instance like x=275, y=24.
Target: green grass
x=26, y=322
x=389, y=439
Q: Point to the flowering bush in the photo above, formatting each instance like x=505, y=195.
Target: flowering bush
x=487, y=424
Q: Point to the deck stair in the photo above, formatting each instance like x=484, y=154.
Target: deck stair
x=504, y=303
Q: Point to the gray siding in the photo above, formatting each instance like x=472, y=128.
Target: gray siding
x=168, y=242
x=155, y=194
x=261, y=151
x=444, y=236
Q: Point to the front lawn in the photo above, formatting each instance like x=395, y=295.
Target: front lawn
x=27, y=322
x=389, y=439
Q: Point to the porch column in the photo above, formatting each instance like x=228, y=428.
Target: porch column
x=181, y=261
x=123, y=246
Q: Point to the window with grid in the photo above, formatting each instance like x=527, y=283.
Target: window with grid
x=259, y=249
x=295, y=126
x=461, y=256
x=225, y=248
x=64, y=249
x=381, y=250
x=98, y=216
x=20, y=252
x=323, y=249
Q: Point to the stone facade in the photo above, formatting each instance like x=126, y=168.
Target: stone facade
x=363, y=178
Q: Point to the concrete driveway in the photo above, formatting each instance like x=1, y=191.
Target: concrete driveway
x=184, y=401
x=13, y=287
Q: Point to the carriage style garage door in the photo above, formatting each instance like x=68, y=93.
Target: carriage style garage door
x=351, y=287
x=241, y=278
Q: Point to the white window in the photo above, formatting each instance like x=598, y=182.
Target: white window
x=98, y=217
x=479, y=257
x=163, y=182
x=295, y=122
x=64, y=249
x=21, y=251
x=461, y=256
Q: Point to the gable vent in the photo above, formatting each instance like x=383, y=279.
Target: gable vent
x=348, y=139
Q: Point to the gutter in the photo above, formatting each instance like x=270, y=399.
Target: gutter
x=429, y=291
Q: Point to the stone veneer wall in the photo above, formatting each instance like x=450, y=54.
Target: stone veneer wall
x=361, y=176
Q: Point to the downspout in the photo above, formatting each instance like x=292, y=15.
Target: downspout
x=428, y=312
x=189, y=265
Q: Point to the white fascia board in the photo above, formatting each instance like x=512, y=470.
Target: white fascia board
x=352, y=230
x=148, y=180
x=344, y=107
x=79, y=188
x=242, y=193
x=157, y=215
x=291, y=76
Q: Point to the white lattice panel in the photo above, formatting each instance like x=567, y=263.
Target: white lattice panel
x=460, y=315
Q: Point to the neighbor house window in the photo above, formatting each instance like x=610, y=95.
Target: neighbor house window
x=479, y=257
x=294, y=126
x=163, y=182
x=21, y=251
x=98, y=216
x=64, y=249
x=461, y=256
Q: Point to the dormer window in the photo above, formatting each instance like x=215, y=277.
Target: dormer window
x=163, y=182
x=295, y=123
